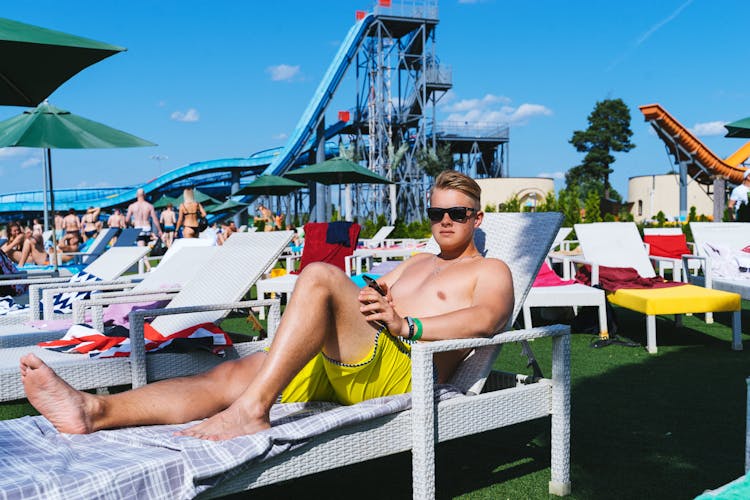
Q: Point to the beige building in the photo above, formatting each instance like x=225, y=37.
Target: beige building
x=653, y=193
x=531, y=191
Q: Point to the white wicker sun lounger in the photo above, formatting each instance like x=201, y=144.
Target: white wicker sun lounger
x=162, y=282
x=734, y=236
x=516, y=238
x=521, y=240
x=223, y=280
x=108, y=267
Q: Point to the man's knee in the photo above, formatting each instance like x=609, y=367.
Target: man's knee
x=321, y=273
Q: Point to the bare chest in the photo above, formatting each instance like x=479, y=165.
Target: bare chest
x=430, y=289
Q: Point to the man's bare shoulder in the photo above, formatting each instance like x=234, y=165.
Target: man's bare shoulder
x=494, y=269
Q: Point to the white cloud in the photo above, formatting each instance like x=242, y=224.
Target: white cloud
x=555, y=175
x=709, y=128
x=13, y=152
x=101, y=184
x=189, y=116
x=31, y=162
x=161, y=104
x=281, y=136
x=494, y=109
x=282, y=72
x=470, y=104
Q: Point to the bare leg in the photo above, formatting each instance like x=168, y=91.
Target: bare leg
x=25, y=253
x=172, y=401
x=323, y=314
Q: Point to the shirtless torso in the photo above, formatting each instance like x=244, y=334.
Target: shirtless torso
x=116, y=220
x=142, y=213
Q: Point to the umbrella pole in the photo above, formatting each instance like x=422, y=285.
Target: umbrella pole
x=52, y=207
x=44, y=191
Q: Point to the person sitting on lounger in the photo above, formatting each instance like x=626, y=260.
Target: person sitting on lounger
x=335, y=341
x=34, y=251
x=13, y=248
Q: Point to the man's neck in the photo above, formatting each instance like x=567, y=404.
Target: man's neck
x=467, y=251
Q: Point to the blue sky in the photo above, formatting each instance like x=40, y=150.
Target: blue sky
x=208, y=80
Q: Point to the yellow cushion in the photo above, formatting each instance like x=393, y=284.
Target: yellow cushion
x=676, y=300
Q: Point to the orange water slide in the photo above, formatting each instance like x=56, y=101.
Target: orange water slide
x=702, y=163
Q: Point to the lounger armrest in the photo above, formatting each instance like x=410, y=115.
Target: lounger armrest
x=49, y=293
x=129, y=293
x=98, y=304
x=706, y=267
x=594, y=268
x=138, y=319
x=497, y=339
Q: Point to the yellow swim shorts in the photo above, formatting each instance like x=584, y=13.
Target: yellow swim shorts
x=385, y=371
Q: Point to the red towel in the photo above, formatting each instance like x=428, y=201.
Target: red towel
x=673, y=246
x=82, y=339
x=547, y=277
x=614, y=278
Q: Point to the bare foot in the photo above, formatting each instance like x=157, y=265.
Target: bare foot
x=232, y=422
x=66, y=408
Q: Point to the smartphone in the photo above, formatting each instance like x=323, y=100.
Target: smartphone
x=373, y=284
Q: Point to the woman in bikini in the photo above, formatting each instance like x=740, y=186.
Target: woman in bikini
x=188, y=214
x=89, y=221
x=13, y=248
x=33, y=251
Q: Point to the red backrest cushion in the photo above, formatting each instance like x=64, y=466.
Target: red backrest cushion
x=663, y=245
x=317, y=250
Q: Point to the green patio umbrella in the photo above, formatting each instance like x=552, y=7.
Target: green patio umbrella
x=228, y=205
x=164, y=201
x=740, y=128
x=200, y=197
x=49, y=127
x=37, y=60
x=270, y=185
x=338, y=171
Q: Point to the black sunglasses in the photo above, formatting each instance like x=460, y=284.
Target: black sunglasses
x=457, y=214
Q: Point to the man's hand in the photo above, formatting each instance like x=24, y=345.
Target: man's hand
x=379, y=309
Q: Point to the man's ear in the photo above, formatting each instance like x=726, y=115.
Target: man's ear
x=478, y=218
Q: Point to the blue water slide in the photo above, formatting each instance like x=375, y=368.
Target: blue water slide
x=305, y=130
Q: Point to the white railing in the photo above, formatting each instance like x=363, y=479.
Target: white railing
x=422, y=9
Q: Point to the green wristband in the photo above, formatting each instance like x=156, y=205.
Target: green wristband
x=417, y=335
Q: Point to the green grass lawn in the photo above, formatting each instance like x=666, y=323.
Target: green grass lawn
x=668, y=425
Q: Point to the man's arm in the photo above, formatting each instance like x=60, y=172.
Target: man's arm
x=129, y=215
x=155, y=218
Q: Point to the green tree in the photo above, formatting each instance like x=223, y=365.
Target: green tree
x=593, y=211
x=693, y=215
x=435, y=161
x=608, y=131
x=512, y=205
x=570, y=205
x=549, y=204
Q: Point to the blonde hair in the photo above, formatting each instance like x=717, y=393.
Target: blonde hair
x=450, y=179
x=187, y=195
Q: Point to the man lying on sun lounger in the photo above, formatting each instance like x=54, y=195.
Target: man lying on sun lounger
x=334, y=342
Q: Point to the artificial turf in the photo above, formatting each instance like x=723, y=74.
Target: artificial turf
x=668, y=425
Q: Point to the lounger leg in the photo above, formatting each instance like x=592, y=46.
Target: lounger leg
x=603, y=328
x=678, y=320
x=709, y=318
x=423, y=426
x=651, y=334
x=526, y=316
x=737, y=330
x=560, y=441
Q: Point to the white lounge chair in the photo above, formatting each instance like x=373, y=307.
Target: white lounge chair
x=94, y=250
x=521, y=239
x=108, y=267
x=378, y=238
x=163, y=280
x=618, y=244
x=673, y=264
x=733, y=236
x=224, y=279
